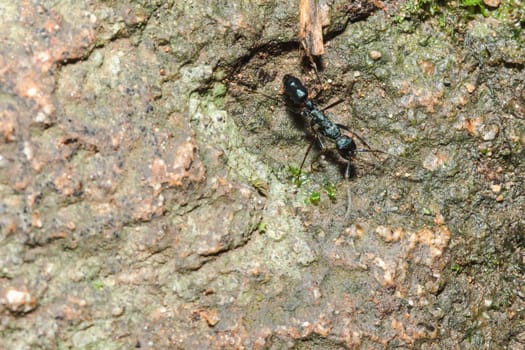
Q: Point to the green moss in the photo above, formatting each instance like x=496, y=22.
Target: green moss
x=98, y=284
x=260, y=185
x=298, y=177
x=455, y=268
x=261, y=227
x=463, y=10
x=474, y=6
x=331, y=191
x=219, y=90
x=419, y=9
x=315, y=198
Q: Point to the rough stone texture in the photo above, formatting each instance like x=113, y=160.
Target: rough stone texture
x=146, y=197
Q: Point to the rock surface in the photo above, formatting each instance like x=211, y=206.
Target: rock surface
x=147, y=193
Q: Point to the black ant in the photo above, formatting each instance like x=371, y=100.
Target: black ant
x=322, y=126
x=296, y=92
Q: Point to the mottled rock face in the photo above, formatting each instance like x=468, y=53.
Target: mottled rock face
x=149, y=187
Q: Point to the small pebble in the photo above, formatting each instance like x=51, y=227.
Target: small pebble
x=439, y=219
x=470, y=87
x=210, y=316
x=495, y=188
x=492, y=3
x=375, y=55
x=489, y=132
x=117, y=311
x=19, y=300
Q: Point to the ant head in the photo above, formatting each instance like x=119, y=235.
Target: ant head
x=346, y=147
x=294, y=89
x=290, y=80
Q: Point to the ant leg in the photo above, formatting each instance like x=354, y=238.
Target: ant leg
x=348, y=194
x=304, y=159
x=316, y=71
x=252, y=89
x=333, y=104
x=321, y=145
x=348, y=169
x=362, y=140
x=365, y=161
x=348, y=200
x=315, y=160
